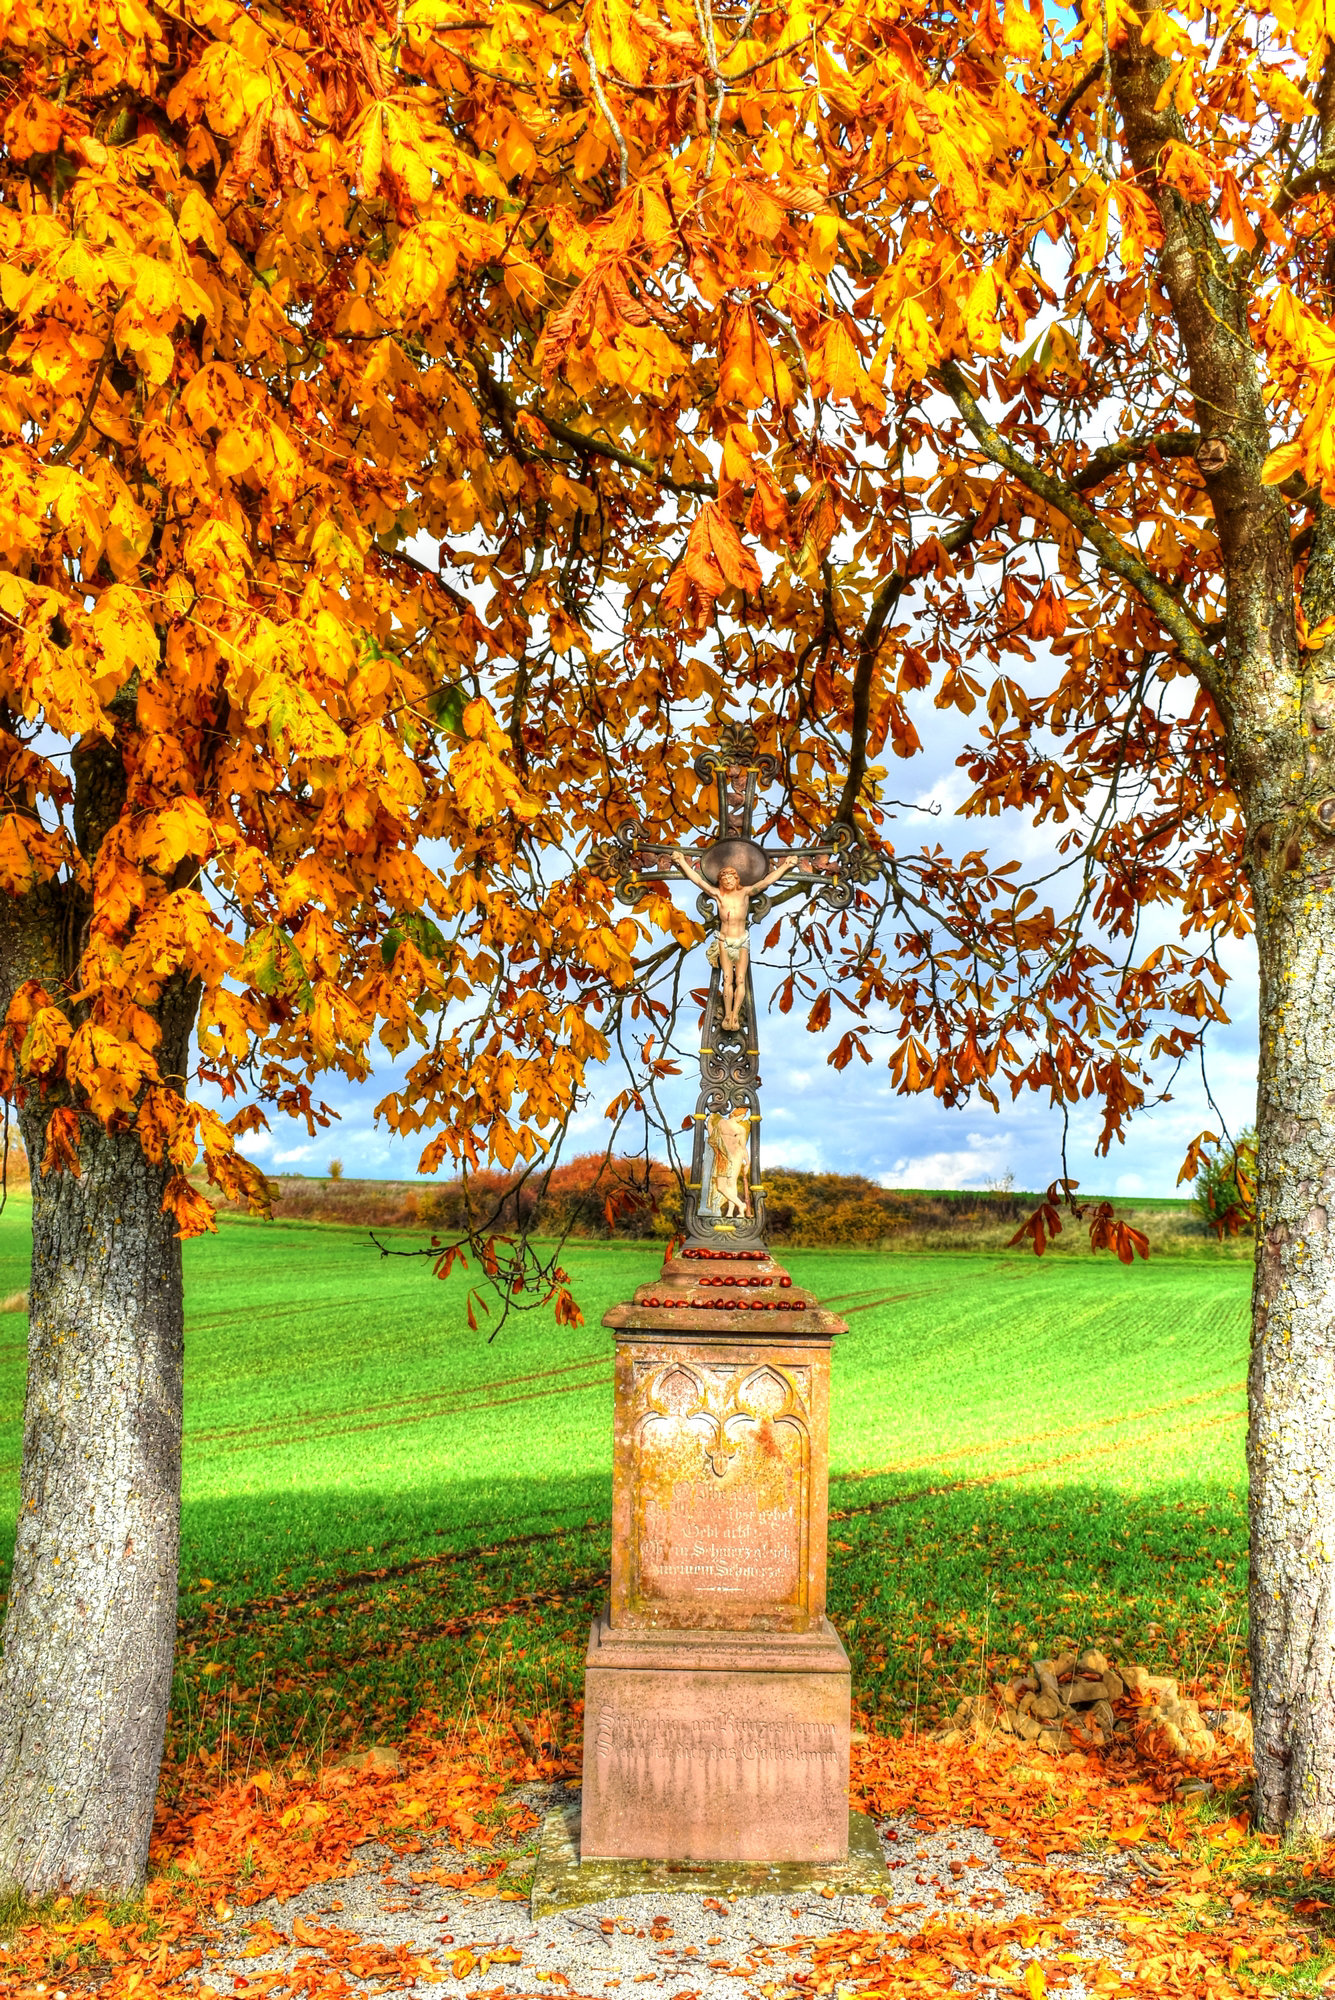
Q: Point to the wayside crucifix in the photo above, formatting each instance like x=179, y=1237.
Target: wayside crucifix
x=725, y=1204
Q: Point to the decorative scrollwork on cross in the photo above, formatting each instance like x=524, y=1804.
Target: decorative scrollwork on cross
x=725, y=1203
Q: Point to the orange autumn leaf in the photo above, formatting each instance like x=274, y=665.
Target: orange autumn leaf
x=62, y=1143
x=1183, y=168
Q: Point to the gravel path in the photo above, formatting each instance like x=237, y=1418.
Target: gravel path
x=694, y=1947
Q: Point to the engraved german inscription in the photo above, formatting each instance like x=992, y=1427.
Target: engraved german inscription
x=712, y=1539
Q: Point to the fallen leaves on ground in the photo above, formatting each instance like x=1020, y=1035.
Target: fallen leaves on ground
x=218, y=1848
x=1178, y=1917
x=1134, y=1891
x=290, y=1832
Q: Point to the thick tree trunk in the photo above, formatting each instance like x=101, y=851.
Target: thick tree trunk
x=91, y=1627
x=1275, y=702
x=1291, y=1444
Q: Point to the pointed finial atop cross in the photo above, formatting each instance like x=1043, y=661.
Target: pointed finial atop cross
x=725, y=1206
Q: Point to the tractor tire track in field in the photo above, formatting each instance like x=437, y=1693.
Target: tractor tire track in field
x=1048, y=1436
x=309, y=1425
x=228, y=1619
x=219, y=1618
x=315, y=1428
x=920, y=1292
x=590, y=1588
x=891, y=1298
x=984, y=1479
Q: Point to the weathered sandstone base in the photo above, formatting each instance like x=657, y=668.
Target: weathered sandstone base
x=715, y=1746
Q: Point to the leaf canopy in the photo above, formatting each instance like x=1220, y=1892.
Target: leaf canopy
x=420, y=428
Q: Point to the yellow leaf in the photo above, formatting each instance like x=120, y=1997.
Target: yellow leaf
x=236, y=452
x=373, y=146
x=1162, y=34
x=214, y=396
x=628, y=44
x=1285, y=459
x=841, y=366
x=516, y=154
x=1022, y=31
x=163, y=838
x=197, y=222
x=125, y=634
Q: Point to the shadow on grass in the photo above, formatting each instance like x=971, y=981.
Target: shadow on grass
x=341, y=1625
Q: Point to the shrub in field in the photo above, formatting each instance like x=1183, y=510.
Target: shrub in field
x=587, y=1196
x=1226, y=1185
x=849, y=1208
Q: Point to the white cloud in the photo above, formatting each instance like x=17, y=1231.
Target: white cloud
x=968, y=1167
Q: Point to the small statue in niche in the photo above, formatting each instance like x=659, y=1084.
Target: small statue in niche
x=729, y=949
x=728, y=1136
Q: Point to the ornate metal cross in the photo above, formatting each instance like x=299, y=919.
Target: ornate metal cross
x=725, y=1202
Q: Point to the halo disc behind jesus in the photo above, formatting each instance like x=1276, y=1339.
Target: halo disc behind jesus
x=746, y=856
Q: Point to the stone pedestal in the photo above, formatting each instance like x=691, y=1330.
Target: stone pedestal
x=716, y=1722
x=715, y=1746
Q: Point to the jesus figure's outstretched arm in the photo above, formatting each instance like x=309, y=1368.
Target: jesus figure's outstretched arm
x=691, y=874
x=767, y=881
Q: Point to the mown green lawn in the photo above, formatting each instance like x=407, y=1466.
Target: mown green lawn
x=384, y=1512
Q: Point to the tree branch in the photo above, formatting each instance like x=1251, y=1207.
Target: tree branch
x=883, y=603
x=1074, y=95
x=1179, y=623
x=1111, y=458
x=71, y=445
x=600, y=94
x=1211, y=301
x=1322, y=170
x=456, y=597
x=507, y=407
x=1320, y=174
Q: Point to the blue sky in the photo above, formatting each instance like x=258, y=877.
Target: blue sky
x=852, y=1121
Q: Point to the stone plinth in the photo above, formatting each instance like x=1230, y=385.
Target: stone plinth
x=716, y=1718
x=715, y=1746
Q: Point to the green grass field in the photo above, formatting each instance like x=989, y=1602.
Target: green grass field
x=385, y=1513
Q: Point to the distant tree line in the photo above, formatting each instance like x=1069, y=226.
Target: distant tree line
x=594, y=1197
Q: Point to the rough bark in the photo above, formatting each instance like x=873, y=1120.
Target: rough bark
x=90, y=1630
x=91, y=1627
x=1273, y=701
x=1291, y=1441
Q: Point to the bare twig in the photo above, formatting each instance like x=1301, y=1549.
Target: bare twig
x=508, y=406
x=596, y=85
x=1176, y=619
x=1076, y=92
x=882, y=604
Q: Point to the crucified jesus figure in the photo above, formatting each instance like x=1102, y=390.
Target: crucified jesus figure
x=729, y=950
